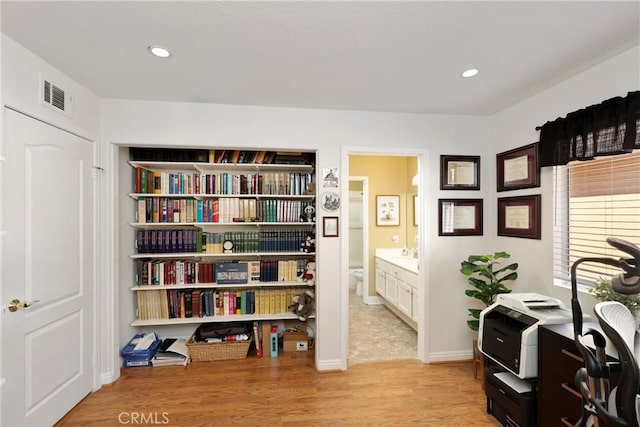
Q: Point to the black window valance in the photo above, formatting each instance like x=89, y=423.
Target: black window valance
x=611, y=127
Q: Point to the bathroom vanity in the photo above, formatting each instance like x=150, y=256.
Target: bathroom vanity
x=397, y=283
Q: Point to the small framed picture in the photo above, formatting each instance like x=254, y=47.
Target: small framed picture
x=460, y=217
x=387, y=210
x=518, y=168
x=459, y=172
x=519, y=216
x=330, y=226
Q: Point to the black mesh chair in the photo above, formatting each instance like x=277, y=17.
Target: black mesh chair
x=601, y=406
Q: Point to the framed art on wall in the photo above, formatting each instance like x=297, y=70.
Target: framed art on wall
x=387, y=210
x=330, y=226
x=518, y=168
x=459, y=172
x=460, y=217
x=519, y=216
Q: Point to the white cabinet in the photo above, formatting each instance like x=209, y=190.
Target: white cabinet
x=381, y=280
x=414, y=304
x=405, y=299
x=391, y=289
x=398, y=286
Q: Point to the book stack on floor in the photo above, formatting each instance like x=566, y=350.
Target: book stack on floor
x=172, y=351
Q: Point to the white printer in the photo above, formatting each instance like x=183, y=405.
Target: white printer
x=509, y=329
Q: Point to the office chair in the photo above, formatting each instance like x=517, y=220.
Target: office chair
x=619, y=407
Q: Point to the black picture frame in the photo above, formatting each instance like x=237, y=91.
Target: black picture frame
x=518, y=168
x=460, y=217
x=330, y=226
x=459, y=172
x=520, y=216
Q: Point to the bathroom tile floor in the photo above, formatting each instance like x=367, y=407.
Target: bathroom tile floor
x=376, y=333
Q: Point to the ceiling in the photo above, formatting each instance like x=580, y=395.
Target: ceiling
x=350, y=55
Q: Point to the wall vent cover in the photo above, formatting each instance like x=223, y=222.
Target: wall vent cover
x=55, y=97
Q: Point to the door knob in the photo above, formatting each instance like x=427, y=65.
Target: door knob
x=15, y=304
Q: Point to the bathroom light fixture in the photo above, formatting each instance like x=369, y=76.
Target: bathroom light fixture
x=159, y=51
x=470, y=72
x=415, y=180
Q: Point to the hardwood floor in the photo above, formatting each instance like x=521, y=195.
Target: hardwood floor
x=288, y=391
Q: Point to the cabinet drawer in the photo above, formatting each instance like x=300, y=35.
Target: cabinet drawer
x=551, y=416
x=411, y=279
x=558, y=394
x=558, y=353
x=396, y=272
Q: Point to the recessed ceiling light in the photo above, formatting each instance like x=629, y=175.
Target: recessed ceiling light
x=159, y=51
x=470, y=72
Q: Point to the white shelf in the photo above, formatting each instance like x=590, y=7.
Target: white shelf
x=207, y=167
x=242, y=255
x=248, y=285
x=198, y=196
x=215, y=224
x=213, y=319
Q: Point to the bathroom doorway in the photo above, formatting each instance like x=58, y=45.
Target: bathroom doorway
x=375, y=331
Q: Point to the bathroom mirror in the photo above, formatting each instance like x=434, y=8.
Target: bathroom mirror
x=411, y=220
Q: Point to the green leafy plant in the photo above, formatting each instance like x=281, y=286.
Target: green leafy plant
x=603, y=291
x=487, y=280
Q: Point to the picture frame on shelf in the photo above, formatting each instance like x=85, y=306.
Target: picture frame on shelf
x=520, y=216
x=460, y=217
x=387, y=210
x=330, y=226
x=459, y=172
x=518, y=168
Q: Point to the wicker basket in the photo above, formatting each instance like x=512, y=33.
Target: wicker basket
x=205, y=352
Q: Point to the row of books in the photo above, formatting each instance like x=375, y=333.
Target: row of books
x=188, y=272
x=148, y=181
x=224, y=210
x=261, y=157
x=196, y=241
x=220, y=156
x=189, y=303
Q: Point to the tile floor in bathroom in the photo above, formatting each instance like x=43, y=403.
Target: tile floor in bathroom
x=376, y=333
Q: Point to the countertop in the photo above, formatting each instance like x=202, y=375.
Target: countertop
x=394, y=256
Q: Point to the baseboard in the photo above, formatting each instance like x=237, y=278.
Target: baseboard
x=450, y=356
x=329, y=365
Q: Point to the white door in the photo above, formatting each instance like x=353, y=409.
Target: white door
x=47, y=348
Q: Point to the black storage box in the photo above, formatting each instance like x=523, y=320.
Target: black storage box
x=511, y=400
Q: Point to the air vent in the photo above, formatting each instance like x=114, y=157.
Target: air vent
x=55, y=98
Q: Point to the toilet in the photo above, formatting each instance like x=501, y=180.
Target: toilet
x=357, y=274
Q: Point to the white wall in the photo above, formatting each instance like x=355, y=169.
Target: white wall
x=515, y=127
x=325, y=131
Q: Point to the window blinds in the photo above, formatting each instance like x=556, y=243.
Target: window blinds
x=594, y=200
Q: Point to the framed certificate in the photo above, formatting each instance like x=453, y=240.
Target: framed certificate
x=519, y=216
x=459, y=172
x=518, y=168
x=460, y=217
x=330, y=226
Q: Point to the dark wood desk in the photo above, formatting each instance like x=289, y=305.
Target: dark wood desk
x=559, y=402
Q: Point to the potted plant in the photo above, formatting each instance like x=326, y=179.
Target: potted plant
x=603, y=291
x=487, y=280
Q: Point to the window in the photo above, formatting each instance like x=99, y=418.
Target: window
x=594, y=200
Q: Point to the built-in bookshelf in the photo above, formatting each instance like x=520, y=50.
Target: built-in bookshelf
x=220, y=241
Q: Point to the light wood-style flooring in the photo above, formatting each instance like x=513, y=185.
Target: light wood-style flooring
x=288, y=391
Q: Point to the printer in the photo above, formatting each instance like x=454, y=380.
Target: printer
x=508, y=331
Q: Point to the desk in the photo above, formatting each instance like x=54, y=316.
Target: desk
x=559, y=402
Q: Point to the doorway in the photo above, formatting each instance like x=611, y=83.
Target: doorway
x=376, y=330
